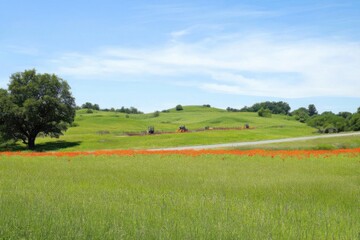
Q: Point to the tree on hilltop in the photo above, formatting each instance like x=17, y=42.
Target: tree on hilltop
x=179, y=107
x=89, y=105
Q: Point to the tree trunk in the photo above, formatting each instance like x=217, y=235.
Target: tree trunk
x=31, y=142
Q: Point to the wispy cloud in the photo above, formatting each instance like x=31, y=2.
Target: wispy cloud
x=258, y=65
x=23, y=50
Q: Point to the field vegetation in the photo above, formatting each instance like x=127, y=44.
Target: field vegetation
x=175, y=196
x=137, y=194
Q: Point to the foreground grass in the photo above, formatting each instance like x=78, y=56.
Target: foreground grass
x=179, y=197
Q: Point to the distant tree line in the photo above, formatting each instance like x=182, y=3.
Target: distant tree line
x=90, y=106
x=131, y=110
x=229, y=109
x=326, y=122
x=274, y=107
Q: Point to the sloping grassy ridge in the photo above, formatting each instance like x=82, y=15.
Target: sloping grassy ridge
x=108, y=130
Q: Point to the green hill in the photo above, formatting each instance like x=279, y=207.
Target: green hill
x=111, y=130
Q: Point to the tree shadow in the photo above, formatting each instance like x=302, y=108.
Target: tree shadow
x=12, y=147
x=54, y=146
x=41, y=147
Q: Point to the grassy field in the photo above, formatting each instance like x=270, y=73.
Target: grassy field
x=179, y=197
x=345, y=142
x=107, y=130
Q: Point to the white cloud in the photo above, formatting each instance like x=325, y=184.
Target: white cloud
x=178, y=34
x=260, y=65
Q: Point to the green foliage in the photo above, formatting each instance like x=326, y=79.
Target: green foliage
x=327, y=122
x=354, y=122
x=131, y=110
x=34, y=104
x=156, y=114
x=301, y=114
x=312, y=110
x=274, y=107
x=229, y=109
x=179, y=108
x=264, y=112
x=88, y=105
x=179, y=197
x=345, y=115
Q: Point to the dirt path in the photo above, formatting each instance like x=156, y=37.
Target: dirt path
x=241, y=144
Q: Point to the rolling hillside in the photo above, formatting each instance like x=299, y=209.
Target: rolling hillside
x=110, y=130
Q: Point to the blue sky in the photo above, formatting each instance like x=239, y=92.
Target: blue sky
x=154, y=55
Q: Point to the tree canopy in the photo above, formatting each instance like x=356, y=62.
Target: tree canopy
x=301, y=114
x=35, y=103
x=312, y=110
x=274, y=107
x=89, y=105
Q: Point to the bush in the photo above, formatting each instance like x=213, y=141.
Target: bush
x=156, y=114
x=74, y=124
x=179, y=108
x=301, y=114
x=265, y=113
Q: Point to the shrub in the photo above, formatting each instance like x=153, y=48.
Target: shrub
x=179, y=108
x=156, y=114
x=74, y=124
x=265, y=113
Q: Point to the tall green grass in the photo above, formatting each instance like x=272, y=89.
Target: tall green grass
x=179, y=197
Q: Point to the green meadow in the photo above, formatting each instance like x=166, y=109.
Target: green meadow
x=179, y=197
x=111, y=130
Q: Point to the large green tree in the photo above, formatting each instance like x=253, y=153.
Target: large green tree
x=35, y=103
